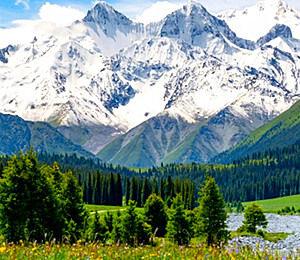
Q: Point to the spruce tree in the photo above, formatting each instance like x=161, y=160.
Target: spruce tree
x=133, y=188
x=108, y=218
x=111, y=189
x=156, y=214
x=169, y=189
x=116, y=233
x=178, y=224
x=155, y=186
x=118, y=191
x=72, y=205
x=98, y=229
x=146, y=191
x=127, y=191
x=29, y=208
x=129, y=224
x=162, y=189
x=254, y=217
x=134, y=228
x=212, y=215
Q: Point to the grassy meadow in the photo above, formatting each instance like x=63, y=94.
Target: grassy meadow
x=98, y=251
x=273, y=205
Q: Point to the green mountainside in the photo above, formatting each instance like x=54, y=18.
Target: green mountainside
x=16, y=134
x=165, y=139
x=282, y=131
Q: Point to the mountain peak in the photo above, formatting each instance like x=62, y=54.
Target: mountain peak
x=279, y=30
x=103, y=13
x=278, y=7
x=256, y=21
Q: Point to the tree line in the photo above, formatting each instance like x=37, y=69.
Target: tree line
x=107, y=189
x=266, y=175
x=41, y=203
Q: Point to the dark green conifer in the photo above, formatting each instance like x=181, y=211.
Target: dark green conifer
x=178, y=224
x=212, y=215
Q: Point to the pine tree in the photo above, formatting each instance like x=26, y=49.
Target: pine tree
x=212, y=214
x=72, y=204
x=98, y=229
x=127, y=191
x=191, y=198
x=177, y=186
x=146, y=191
x=155, y=212
x=108, y=218
x=239, y=207
x=118, y=191
x=1, y=169
x=162, y=189
x=254, y=216
x=25, y=197
x=116, y=233
x=111, y=189
x=139, y=192
x=133, y=188
x=129, y=224
x=178, y=224
x=169, y=190
x=155, y=186
x=97, y=189
x=89, y=190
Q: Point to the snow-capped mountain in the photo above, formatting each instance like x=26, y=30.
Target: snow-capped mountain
x=180, y=90
x=256, y=21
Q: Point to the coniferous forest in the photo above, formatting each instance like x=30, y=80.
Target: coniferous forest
x=39, y=200
x=43, y=198
x=274, y=173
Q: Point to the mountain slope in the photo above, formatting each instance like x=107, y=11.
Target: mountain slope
x=16, y=134
x=282, y=131
x=106, y=82
x=255, y=21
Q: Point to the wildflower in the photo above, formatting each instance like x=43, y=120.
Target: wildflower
x=283, y=258
x=2, y=249
x=236, y=250
x=33, y=249
x=207, y=256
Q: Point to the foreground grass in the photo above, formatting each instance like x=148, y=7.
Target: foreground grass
x=272, y=205
x=98, y=251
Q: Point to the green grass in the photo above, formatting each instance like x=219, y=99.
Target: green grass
x=272, y=205
x=286, y=120
x=97, y=251
x=93, y=208
x=105, y=208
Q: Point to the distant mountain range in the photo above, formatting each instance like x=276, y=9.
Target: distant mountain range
x=183, y=89
x=17, y=134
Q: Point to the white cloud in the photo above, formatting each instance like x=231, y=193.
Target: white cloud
x=23, y=2
x=60, y=15
x=158, y=11
x=53, y=18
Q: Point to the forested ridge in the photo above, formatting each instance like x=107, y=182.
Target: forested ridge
x=271, y=174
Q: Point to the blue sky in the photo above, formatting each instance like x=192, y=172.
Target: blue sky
x=11, y=10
